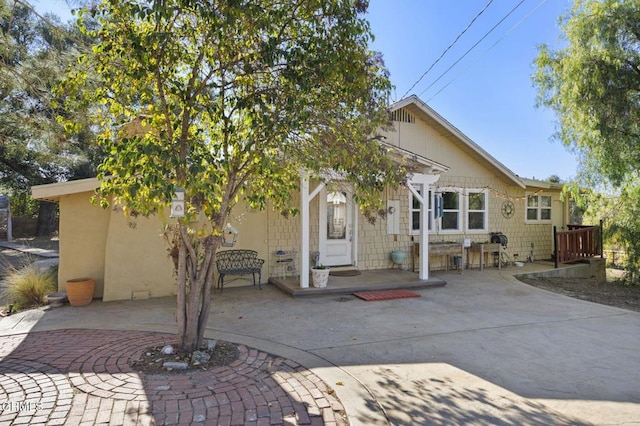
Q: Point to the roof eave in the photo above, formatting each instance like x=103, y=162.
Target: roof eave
x=53, y=191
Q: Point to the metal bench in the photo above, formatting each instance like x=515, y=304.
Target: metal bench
x=238, y=262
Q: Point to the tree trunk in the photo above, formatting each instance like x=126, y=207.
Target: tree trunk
x=195, y=278
x=47, y=219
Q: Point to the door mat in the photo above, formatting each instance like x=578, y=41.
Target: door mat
x=347, y=273
x=372, y=296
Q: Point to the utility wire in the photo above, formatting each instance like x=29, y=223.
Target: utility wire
x=448, y=48
x=487, y=51
x=474, y=46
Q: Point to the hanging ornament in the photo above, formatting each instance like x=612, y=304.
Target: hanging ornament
x=508, y=209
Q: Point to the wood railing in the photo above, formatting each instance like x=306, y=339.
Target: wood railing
x=579, y=242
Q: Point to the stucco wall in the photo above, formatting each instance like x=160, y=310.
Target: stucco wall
x=83, y=234
x=136, y=259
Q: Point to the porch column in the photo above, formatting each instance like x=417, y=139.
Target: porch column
x=305, y=200
x=426, y=180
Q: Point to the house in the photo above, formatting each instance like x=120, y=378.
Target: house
x=465, y=192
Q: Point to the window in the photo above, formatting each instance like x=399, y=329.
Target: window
x=476, y=210
x=414, y=208
x=450, y=211
x=538, y=207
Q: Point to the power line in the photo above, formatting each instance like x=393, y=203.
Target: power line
x=487, y=51
x=448, y=48
x=474, y=46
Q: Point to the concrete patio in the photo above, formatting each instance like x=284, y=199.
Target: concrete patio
x=379, y=279
x=484, y=349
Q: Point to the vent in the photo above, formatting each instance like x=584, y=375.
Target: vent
x=403, y=116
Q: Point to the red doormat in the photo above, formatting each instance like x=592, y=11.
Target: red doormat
x=372, y=296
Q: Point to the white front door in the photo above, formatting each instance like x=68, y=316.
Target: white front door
x=336, y=228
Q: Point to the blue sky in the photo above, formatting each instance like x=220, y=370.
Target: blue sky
x=489, y=95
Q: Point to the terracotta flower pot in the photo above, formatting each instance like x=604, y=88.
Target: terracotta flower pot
x=80, y=291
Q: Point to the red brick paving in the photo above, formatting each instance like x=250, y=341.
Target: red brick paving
x=83, y=377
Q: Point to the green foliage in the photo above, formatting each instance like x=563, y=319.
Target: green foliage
x=22, y=204
x=232, y=99
x=27, y=286
x=35, y=51
x=593, y=85
x=229, y=100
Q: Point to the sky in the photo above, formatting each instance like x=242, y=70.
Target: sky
x=488, y=94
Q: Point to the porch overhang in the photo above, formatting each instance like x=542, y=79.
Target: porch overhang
x=413, y=162
x=420, y=171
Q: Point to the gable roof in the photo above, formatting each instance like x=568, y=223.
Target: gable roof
x=416, y=106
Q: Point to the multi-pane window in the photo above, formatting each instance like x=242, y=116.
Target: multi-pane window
x=476, y=210
x=538, y=207
x=459, y=208
x=450, y=211
x=415, y=210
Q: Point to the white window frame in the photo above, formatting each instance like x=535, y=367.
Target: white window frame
x=538, y=208
x=413, y=210
x=468, y=210
x=460, y=210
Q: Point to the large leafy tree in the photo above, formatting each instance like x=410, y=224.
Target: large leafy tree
x=593, y=85
x=231, y=100
x=34, y=149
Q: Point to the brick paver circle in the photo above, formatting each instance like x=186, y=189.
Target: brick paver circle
x=85, y=377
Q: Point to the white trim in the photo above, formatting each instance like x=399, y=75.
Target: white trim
x=323, y=238
x=53, y=191
x=460, y=210
x=426, y=181
x=484, y=191
x=305, y=200
x=538, y=208
x=411, y=210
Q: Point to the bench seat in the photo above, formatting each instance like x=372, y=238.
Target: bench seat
x=238, y=262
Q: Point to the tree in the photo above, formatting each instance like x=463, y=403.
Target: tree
x=231, y=100
x=593, y=85
x=34, y=51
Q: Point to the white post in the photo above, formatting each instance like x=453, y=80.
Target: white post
x=304, y=227
x=425, y=181
x=424, y=236
x=305, y=200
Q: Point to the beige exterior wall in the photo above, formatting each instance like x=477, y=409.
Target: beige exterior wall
x=83, y=233
x=126, y=262
x=136, y=260
x=467, y=172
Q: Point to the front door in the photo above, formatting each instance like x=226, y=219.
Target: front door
x=336, y=221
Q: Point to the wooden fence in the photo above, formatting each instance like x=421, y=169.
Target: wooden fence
x=578, y=242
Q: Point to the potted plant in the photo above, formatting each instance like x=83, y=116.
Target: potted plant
x=320, y=275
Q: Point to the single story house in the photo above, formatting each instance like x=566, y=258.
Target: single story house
x=469, y=195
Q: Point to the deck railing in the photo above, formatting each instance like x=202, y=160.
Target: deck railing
x=578, y=242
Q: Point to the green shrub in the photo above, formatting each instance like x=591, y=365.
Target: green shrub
x=26, y=287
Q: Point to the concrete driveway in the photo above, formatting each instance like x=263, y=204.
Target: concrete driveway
x=485, y=349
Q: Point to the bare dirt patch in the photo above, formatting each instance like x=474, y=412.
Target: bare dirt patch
x=152, y=360
x=612, y=293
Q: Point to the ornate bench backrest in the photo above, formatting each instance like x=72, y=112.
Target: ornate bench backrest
x=233, y=259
